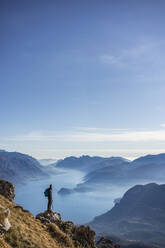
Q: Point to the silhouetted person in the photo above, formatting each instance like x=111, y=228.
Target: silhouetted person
x=50, y=199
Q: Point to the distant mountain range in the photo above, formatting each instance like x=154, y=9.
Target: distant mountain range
x=102, y=170
x=147, y=168
x=19, y=168
x=115, y=169
x=88, y=163
x=119, y=171
x=139, y=216
x=83, y=163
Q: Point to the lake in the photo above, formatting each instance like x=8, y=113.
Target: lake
x=77, y=207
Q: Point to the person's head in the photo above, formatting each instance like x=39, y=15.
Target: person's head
x=51, y=186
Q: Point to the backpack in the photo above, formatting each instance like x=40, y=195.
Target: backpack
x=46, y=192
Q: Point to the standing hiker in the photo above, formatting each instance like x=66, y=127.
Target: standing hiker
x=48, y=193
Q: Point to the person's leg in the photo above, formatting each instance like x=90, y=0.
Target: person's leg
x=49, y=204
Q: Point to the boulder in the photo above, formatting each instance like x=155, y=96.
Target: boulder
x=4, y=222
x=49, y=216
x=7, y=190
x=106, y=243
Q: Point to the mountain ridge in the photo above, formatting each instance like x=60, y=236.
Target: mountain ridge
x=140, y=215
x=18, y=167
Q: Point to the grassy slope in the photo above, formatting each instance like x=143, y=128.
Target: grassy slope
x=28, y=232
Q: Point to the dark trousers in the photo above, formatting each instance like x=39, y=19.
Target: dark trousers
x=49, y=204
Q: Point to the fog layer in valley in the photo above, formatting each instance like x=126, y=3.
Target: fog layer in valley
x=77, y=207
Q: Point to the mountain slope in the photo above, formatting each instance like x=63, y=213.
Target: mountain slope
x=26, y=231
x=110, y=169
x=18, y=168
x=150, y=167
x=140, y=215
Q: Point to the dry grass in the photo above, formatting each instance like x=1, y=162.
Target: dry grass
x=3, y=215
x=81, y=236
x=85, y=236
x=60, y=236
x=3, y=244
x=26, y=232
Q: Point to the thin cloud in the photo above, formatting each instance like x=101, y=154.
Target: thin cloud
x=126, y=153
x=32, y=136
x=143, y=53
x=100, y=129
x=111, y=59
x=87, y=136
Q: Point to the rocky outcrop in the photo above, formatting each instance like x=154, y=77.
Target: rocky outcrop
x=49, y=217
x=106, y=243
x=81, y=236
x=7, y=190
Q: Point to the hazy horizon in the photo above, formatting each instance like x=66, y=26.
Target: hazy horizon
x=86, y=154
x=129, y=158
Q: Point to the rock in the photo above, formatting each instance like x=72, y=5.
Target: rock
x=49, y=217
x=23, y=210
x=106, y=243
x=7, y=190
x=2, y=230
x=4, y=222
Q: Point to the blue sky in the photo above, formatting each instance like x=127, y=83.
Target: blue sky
x=82, y=77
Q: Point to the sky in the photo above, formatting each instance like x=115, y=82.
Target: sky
x=82, y=77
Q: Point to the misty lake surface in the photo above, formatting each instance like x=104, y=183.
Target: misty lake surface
x=77, y=207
